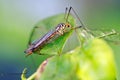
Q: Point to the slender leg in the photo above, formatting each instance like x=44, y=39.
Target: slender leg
x=32, y=32
x=83, y=26
x=29, y=43
x=113, y=32
x=77, y=17
x=76, y=27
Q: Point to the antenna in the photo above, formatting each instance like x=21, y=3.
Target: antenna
x=68, y=14
x=65, y=12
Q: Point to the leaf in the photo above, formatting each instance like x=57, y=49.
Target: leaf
x=93, y=61
x=98, y=62
x=56, y=46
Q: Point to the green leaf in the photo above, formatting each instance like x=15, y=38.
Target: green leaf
x=97, y=63
x=56, y=46
x=94, y=61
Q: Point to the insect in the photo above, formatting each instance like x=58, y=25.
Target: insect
x=60, y=30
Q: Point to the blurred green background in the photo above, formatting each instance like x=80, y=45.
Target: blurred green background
x=18, y=17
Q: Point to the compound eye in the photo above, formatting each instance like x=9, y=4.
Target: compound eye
x=68, y=25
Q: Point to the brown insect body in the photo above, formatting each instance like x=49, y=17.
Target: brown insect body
x=38, y=44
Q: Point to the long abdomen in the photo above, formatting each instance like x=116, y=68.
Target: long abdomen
x=44, y=40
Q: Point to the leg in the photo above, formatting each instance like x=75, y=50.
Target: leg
x=76, y=27
x=113, y=32
x=31, y=34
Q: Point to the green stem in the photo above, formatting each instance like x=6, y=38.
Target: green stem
x=32, y=76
